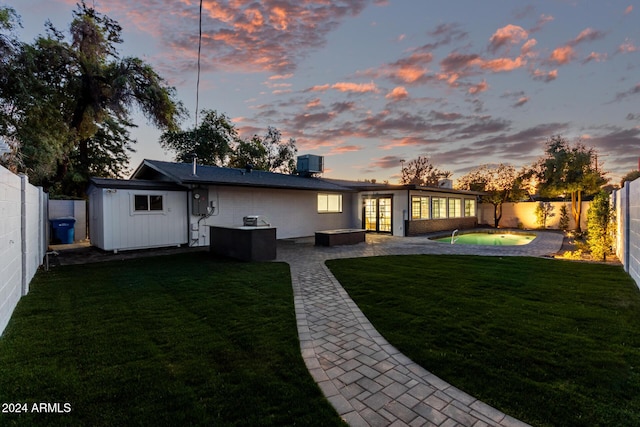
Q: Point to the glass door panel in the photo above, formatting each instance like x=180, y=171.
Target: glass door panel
x=384, y=215
x=370, y=214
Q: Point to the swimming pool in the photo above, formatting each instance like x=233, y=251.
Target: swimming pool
x=488, y=239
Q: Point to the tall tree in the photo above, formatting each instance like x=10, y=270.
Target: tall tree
x=211, y=142
x=500, y=183
x=630, y=176
x=65, y=100
x=268, y=153
x=420, y=171
x=600, y=226
x=569, y=170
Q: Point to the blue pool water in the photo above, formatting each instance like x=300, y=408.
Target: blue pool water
x=490, y=239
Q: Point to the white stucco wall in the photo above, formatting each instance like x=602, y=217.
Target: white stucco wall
x=524, y=214
x=294, y=213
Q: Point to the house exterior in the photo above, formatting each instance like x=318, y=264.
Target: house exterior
x=166, y=204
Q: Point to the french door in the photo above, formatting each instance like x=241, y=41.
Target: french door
x=377, y=214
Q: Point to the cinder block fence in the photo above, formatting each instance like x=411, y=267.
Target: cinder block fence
x=627, y=205
x=23, y=238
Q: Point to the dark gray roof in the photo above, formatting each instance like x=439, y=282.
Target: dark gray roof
x=182, y=173
x=374, y=186
x=135, y=184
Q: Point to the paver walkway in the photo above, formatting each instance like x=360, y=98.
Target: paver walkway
x=367, y=380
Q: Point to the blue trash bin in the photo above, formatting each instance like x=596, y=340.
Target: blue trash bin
x=63, y=230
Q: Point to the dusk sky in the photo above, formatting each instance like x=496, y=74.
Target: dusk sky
x=368, y=83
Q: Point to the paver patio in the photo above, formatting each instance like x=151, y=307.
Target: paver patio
x=367, y=380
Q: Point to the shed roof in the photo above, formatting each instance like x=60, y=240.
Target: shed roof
x=182, y=173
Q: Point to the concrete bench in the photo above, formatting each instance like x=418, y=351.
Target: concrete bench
x=344, y=236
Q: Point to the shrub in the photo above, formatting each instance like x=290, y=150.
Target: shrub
x=600, y=227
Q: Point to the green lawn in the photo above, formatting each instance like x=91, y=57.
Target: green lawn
x=550, y=342
x=179, y=340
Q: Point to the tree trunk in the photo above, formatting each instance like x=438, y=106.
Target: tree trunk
x=497, y=217
x=576, y=208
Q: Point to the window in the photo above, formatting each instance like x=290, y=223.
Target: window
x=438, y=207
x=454, y=208
x=419, y=207
x=329, y=203
x=147, y=203
x=469, y=207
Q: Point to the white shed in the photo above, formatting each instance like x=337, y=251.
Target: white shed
x=137, y=214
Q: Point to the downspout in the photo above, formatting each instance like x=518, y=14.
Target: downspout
x=188, y=193
x=406, y=223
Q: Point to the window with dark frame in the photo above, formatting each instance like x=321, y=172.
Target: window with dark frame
x=419, y=207
x=469, y=207
x=147, y=203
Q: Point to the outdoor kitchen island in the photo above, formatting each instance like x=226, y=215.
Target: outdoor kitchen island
x=246, y=243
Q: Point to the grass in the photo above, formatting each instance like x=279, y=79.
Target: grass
x=180, y=340
x=552, y=343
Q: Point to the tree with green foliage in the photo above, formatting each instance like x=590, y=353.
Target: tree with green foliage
x=569, y=170
x=420, y=171
x=500, y=183
x=631, y=176
x=212, y=142
x=600, y=226
x=267, y=153
x=68, y=102
x=564, y=218
x=544, y=211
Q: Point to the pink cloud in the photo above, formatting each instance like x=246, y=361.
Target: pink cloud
x=527, y=48
x=409, y=141
x=587, y=35
x=238, y=35
x=281, y=76
x=546, y=76
x=355, y=87
x=398, y=93
x=594, y=56
x=386, y=162
x=314, y=103
x=503, y=64
x=521, y=101
x=628, y=10
x=507, y=35
x=627, y=47
x=563, y=55
x=542, y=21
x=480, y=87
x=320, y=88
x=409, y=70
x=345, y=87
x=345, y=149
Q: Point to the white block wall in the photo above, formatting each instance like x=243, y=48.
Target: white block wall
x=634, y=230
x=22, y=239
x=10, y=245
x=627, y=203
